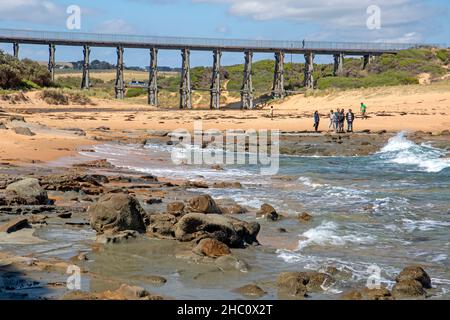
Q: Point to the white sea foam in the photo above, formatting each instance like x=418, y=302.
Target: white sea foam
x=400, y=150
x=327, y=234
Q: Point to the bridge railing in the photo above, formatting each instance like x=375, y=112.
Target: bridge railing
x=79, y=37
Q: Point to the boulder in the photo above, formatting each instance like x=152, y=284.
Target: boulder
x=26, y=192
x=14, y=225
x=415, y=273
x=268, y=212
x=24, y=131
x=211, y=248
x=408, y=289
x=203, y=204
x=175, y=208
x=293, y=284
x=161, y=225
x=233, y=232
x=318, y=281
x=251, y=290
x=116, y=212
x=3, y=126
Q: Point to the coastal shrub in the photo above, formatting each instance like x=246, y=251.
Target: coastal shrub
x=54, y=97
x=15, y=73
x=135, y=92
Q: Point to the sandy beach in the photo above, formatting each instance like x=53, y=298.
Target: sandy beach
x=394, y=109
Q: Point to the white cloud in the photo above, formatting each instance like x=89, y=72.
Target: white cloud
x=36, y=11
x=341, y=18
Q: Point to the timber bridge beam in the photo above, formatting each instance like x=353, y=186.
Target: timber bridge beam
x=309, y=49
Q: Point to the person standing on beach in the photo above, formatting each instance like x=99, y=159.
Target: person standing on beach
x=331, y=126
x=316, y=120
x=341, y=120
x=350, y=118
x=363, y=110
x=336, y=120
x=271, y=112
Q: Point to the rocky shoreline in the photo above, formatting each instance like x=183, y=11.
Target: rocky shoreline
x=119, y=207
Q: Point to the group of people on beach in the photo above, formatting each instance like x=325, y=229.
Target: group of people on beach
x=338, y=119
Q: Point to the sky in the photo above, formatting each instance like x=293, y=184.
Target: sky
x=405, y=21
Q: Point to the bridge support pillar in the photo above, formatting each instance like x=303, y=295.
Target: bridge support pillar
x=85, y=82
x=16, y=50
x=368, y=58
x=185, y=85
x=247, y=85
x=51, y=61
x=120, y=81
x=215, y=81
x=152, y=81
x=278, y=91
x=338, y=64
x=309, y=69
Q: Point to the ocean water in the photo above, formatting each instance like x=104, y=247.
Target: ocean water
x=387, y=210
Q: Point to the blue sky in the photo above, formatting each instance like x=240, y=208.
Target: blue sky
x=328, y=20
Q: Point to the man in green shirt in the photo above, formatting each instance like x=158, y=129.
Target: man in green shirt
x=363, y=110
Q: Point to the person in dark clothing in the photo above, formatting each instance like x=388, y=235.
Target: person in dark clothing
x=316, y=120
x=350, y=118
x=341, y=120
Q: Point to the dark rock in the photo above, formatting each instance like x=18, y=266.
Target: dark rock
x=415, y=273
x=27, y=191
x=153, y=201
x=161, y=225
x=211, y=248
x=268, y=212
x=408, y=289
x=233, y=232
x=65, y=215
x=293, y=284
x=203, y=204
x=175, y=208
x=14, y=225
x=117, y=212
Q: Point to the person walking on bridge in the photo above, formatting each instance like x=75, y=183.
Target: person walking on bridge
x=350, y=118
